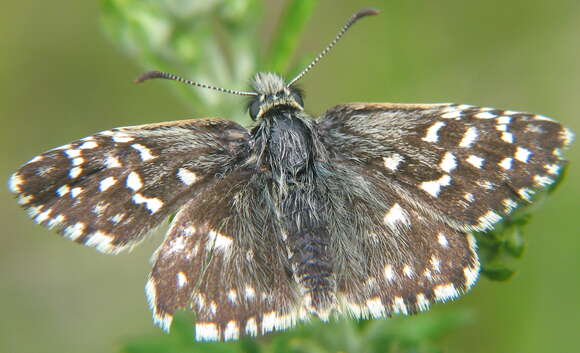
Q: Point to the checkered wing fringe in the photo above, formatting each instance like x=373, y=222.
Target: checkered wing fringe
x=230, y=271
x=109, y=189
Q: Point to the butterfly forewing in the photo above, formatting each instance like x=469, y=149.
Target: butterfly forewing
x=109, y=189
x=469, y=166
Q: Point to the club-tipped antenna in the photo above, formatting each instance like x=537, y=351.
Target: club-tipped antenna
x=357, y=16
x=164, y=75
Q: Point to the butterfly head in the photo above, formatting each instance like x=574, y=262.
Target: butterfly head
x=272, y=93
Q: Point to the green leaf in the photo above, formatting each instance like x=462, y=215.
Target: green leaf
x=284, y=42
x=212, y=42
x=497, y=272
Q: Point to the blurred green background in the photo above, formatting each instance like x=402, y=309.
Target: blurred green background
x=62, y=78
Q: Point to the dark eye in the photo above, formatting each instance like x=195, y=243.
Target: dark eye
x=298, y=98
x=254, y=109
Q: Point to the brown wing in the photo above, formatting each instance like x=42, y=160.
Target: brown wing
x=224, y=261
x=108, y=190
x=411, y=181
x=469, y=166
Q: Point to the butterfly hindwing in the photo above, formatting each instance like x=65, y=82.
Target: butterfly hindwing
x=471, y=166
x=388, y=255
x=223, y=260
x=109, y=189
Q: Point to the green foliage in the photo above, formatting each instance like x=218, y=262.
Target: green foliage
x=211, y=41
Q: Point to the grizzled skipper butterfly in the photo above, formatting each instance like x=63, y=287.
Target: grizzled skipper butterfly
x=365, y=211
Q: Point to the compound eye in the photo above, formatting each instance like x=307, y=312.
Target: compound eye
x=298, y=98
x=254, y=109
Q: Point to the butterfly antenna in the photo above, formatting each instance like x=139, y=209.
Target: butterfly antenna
x=357, y=16
x=164, y=75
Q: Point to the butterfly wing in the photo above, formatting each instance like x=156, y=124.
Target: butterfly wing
x=470, y=165
x=108, y=190
x=223, y=260
x=415, y=179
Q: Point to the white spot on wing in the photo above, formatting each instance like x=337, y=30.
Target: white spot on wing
x=181, y=279
x=399, y=306
x=250, y=292
x=186, y=176
x=232, y=331
x=509, y=205
x=475, y=161
x=408, y=271
x=567, y=136
x=376, y=307
x=389, y=273
x=504, y=120
x=232, y=296
x=542, y=180
x=392, y=162
x=442, y=239
x=74, y=231
x=58, y=220
x=35, y=159
x=552, y=168
x=78, y=161
x=43, y=216
x=122, y=138
x=488, y=219
x=24, y=199
x=75, y=172
x=112, y=162
x=432, y=132
x=144, y=152
x=395, y=216
x=468, y=197
x=88, y=145
x=107, y=183
x=469, y=137
x=434, y=187
x=522, y=154
x=101, y=241
x=506, y=163
x=152, y=204
x=15, y=182
x=471, y=275
x=269, y=322
x=72, y=153
x=251, y=327
x=206, y=331
x=134, y=181
x=76, y=191
x=443, y=292
x=507, y=137
x=448, y=163
x=454, y=114
x=485, y=115
x=218, y=241
x=435, y=263
x=422, y=302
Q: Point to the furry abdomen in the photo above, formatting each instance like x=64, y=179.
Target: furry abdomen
x=293, y=153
